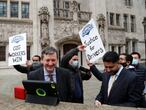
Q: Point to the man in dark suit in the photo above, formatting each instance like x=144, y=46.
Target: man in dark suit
x=139, y=69
x=119, y=86
x=49, y=72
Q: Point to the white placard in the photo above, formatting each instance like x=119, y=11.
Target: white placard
x=17, y=50
x=91, y=39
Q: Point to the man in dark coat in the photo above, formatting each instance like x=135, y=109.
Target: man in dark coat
x=139, y=69
x=70, y=61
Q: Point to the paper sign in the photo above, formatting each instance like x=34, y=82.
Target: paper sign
x=91, y=39
x=17, y=49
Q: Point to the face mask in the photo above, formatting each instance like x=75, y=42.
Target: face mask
x=36, y=64
x=75, y=64
x=134, y=61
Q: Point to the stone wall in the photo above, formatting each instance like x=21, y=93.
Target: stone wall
x=13, y=104
x=13, y=27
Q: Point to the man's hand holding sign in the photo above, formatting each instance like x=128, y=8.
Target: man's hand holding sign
x=90, y=38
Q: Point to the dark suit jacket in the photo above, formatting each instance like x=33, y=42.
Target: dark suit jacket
x=26, y=69
x=23, y=69
x=124, y=91
x=63, y=78
x=141, y=73
x=96, y=73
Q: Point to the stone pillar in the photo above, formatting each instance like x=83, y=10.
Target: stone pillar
x=19, y=8
x=116, y=48
x=36, y=43
x=110, y=48
x=114, y=19
x=128, y=23
x=123, y=49
x=130, y=46
x=8, y=8
x=121, y=21
x=108, y=18
x=75, y=21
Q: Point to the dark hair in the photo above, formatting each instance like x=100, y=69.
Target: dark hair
x=136, y=54
x=110, y=56
x=49, y=51
x=129, y=58
x=37, y=56
x=123, y=54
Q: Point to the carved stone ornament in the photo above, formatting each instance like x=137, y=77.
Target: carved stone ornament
x=101, y=26
x=44, y=14
x=44, y=27
x=75, y=6
x=101, y=20
x=45, y=42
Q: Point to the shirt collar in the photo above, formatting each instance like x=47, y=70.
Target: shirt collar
x=119, y=71
x=46, y=73
x=130, y=67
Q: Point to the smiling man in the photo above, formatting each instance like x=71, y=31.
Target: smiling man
x=50, y=72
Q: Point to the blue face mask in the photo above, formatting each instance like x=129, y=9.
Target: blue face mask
x=36, y=64
x=135, y=62
x=75, y=64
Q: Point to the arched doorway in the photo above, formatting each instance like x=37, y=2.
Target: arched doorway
x=67, y=43
x=67, y=47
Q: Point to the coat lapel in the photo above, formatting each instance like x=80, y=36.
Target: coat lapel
x=57, y=75
x=106, y=85
x=117, y=82
x=41, y=74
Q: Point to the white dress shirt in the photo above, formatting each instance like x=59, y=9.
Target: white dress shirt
x=112, y=79
x=46, y=75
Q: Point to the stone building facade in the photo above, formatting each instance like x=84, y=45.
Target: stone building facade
x=57, y=23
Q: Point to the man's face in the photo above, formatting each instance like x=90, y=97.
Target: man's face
x=136, y=59
x=111, y=68
x=36, y=62
x=122, y=59
x=74, y=58
x=49, y=61
x=35, y=59
x=135, y=56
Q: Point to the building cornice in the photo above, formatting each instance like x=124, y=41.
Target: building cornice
x=16, y=20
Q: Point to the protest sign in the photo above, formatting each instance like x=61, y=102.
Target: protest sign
x=17, y=50
x=91, y=39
